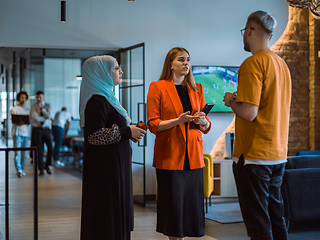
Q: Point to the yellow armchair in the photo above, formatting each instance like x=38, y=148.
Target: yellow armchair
x=207, y=178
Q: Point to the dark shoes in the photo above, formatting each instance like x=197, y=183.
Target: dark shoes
x=48, y=170
x=42, y=172
x=19, y=173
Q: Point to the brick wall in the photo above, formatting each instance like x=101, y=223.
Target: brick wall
x=299, y=46
x=293, y=47
x=314, y=83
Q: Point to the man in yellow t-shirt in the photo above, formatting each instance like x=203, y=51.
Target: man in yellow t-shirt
x=262, y=108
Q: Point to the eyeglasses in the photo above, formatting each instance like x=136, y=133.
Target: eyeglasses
x=118, y=68
x=243, y=30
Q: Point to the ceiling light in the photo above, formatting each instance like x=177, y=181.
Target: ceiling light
x=63, y=11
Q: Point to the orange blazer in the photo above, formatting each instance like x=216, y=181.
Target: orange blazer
x=163, y=103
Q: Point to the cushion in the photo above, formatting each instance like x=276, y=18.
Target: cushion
x=302, y=193
x=296, y=162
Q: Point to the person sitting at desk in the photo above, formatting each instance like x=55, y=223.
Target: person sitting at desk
x=74, y=142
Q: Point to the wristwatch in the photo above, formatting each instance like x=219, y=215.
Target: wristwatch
x=233, y=98
x=204, y=127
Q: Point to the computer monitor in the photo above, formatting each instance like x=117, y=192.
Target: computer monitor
x=74, y=128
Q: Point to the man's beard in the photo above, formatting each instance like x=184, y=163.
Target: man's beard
x=247, y=47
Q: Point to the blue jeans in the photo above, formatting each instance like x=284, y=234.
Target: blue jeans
x=260, y=199
x=57, y=133
x=20, y=156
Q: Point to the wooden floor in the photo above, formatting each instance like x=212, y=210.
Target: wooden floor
x=59, y=206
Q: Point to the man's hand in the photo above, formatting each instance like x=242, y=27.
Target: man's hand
x=246, y=111
x=227, y=97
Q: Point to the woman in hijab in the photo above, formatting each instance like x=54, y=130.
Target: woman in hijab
x=107, y=202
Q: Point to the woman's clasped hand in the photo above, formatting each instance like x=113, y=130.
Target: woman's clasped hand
x=137, y=133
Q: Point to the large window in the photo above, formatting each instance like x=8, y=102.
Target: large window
x=3, y=105
x=61, y=87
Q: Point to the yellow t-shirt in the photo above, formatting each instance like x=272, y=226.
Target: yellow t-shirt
x=264, y=80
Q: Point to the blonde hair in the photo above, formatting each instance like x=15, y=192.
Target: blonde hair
x=166, y=71
x=267, y=22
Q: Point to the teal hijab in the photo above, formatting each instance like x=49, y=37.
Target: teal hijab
x=97, y=78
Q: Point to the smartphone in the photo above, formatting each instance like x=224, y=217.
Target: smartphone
x=142, y=125
x=206, y=109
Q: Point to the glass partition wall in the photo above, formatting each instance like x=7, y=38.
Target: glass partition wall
x=61, y=85
x=132, y=97
x=53, y=71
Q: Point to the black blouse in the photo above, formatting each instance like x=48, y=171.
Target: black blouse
x=184, y=98
x=185, y=101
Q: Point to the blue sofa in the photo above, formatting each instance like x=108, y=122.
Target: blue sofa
x=309, y=152
x=301, y=188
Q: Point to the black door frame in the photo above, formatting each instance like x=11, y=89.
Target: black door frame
x=143, y=143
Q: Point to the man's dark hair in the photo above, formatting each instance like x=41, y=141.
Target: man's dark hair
x=39, y=92
x=21, y=93
x=63, y=109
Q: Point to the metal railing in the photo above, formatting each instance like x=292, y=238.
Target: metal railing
x=35, y=188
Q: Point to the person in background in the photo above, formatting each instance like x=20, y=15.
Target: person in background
x=60, y=126
x=173, y=103
x=20, y=133
x=107, y=200
x=41, y=131
x=262, y=108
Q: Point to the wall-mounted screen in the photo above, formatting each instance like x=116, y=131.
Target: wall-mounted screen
x=216, y=81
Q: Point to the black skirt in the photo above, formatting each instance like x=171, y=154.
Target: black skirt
x=180, y=203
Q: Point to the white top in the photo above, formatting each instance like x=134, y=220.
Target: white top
x=61, y=118
x=22, y=130
x=260, y=162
